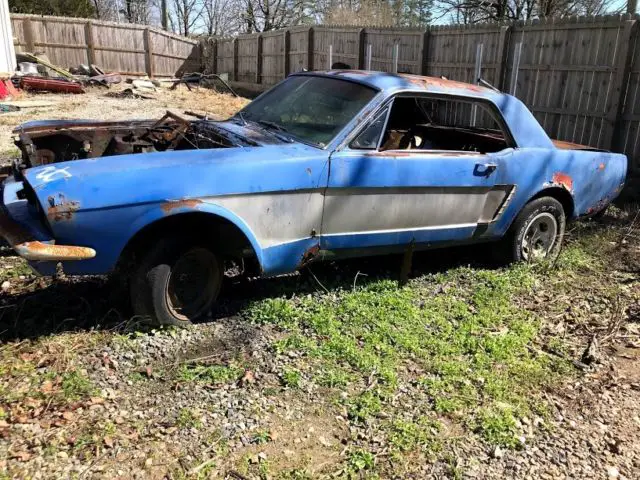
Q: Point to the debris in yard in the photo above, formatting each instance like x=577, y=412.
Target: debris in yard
x=80, y=70
x=144, y=85
x=7, y=89
x=590, y=354
x=60, y=71
x=25, y=104
x=130, y=93
x=105, y=80
x=95, y=71
x=50, y=85
x=6, y=107
x=28, y=68
x=200, y=79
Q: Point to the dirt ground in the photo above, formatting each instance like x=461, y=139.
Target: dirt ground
x=260, y=392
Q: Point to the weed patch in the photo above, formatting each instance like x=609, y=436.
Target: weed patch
x=457, y=337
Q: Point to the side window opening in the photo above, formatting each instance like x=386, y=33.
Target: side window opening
x=438, y=123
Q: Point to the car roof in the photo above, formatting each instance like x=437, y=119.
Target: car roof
x=402, y=81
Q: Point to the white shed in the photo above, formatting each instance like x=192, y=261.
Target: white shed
x=7, y=52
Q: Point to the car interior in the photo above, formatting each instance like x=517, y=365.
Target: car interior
x=430, y=123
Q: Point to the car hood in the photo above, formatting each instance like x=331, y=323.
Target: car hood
x=156, y=177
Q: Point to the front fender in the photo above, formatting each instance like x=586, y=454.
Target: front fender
x=109, y=232
x=178, y=207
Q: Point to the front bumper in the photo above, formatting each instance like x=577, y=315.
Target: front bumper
x=19, y=227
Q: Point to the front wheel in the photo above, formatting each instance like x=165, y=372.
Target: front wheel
x=537, y=232
x=176, y=282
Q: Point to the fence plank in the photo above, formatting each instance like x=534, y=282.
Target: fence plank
x=115, y=47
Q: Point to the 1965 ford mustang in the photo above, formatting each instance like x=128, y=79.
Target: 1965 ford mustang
x=323, y=165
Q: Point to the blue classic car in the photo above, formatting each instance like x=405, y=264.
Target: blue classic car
x=323, y=165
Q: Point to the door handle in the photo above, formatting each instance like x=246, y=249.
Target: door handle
x=484, y=169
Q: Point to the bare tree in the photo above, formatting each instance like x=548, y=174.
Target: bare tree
x=264, y=15
x=137, y=11
x=366, y=13
x=187, y=13
x=220, y=17
x=478, y=11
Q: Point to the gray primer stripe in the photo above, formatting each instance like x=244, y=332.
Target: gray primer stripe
x=398, y=230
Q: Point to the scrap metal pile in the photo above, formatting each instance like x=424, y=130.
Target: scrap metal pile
x=36, y=73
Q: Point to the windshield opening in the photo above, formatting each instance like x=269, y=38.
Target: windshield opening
x=311, y=109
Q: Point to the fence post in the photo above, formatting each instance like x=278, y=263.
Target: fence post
x=515, y=67
x=396, y=56
x=88, y=36
x=148, y=48
x=361, y=44
x=503, y=50
x=310, y=49
x=613, y=138
x=259, y=58
x=214, y=54
x=235, y=59
x=287, y=48
x=28, y=35
x=424, y=52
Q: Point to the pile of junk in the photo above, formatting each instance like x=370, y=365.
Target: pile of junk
x=36, y=73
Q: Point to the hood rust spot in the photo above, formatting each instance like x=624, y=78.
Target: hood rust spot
x=63, y=211
x=168, y=207
x=564, y=180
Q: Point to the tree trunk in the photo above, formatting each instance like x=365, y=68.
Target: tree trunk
x=164, y=15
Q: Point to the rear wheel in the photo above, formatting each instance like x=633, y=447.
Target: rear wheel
x=176, y=282
x=537, y=232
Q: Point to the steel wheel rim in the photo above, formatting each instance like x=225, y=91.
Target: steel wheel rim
x=539, y=237
x=192, y=284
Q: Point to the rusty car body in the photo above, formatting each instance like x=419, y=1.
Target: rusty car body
x=323, y=165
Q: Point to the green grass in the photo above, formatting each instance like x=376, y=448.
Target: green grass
x=188, y=418
x=261, y=437
x=461, y=330
x=211, y=374
x=291, y=378
x=75, y=385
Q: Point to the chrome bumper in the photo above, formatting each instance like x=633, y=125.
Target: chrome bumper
x=31, y=249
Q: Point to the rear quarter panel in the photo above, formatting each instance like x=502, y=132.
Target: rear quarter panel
x=592, y=178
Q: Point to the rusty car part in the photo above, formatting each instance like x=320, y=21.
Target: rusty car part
x=39, y=251
x=34, y=250
x=562, y=145
x=171, y=205
x=563, y=180
x=60, y=141
x=50, y=85
x=61, y=209
x=309, y=255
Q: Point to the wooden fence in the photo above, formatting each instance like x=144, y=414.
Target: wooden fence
x=115, y=47
x=579, y=76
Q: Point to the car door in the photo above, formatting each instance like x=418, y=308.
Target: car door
x=390, y=197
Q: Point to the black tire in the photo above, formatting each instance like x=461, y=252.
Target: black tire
x=176, y=282
x=520, y=243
